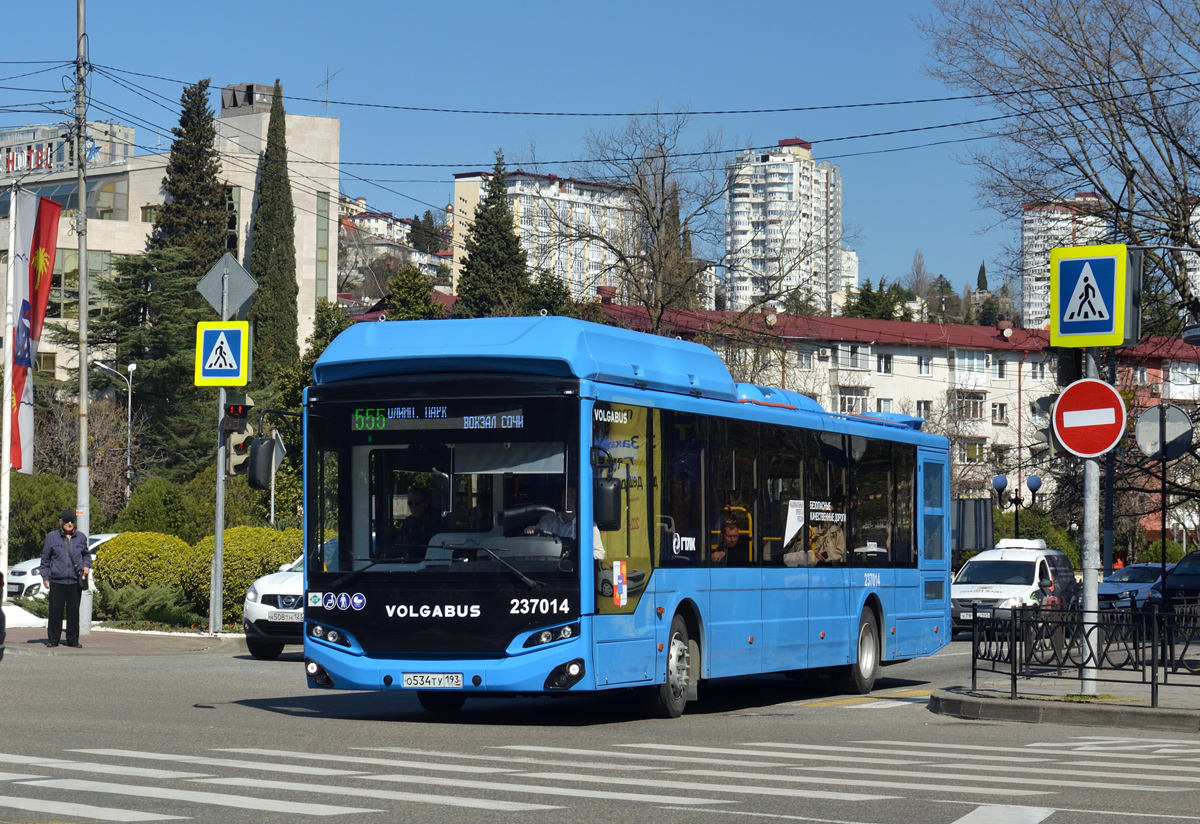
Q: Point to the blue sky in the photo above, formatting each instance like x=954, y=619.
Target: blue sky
x=565, y=57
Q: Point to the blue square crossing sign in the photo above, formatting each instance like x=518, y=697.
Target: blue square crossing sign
x=1091, y=297
x=223, y=353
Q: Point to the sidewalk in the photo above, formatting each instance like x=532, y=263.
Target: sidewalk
x=27, y=635
x=1058, y=701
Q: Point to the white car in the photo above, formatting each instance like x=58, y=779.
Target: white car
x=24, y=580
x=273, y=613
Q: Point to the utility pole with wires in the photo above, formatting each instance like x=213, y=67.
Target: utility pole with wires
x=83, y=488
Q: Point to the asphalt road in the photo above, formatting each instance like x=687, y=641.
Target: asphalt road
x=218, y=737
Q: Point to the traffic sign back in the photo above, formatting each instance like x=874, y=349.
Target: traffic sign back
x=1089, y=418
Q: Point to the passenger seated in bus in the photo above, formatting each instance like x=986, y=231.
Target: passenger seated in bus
x=563, y=524
x=412, y=539
x=828, y=540
x=733, y=549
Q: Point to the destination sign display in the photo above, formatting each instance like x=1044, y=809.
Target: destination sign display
x=433, y=416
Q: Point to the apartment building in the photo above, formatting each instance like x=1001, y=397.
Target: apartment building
x=783, y=225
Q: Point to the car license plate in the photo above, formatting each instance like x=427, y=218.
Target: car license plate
x=983, y=613
x=14, y=590
x=433, y=680
x=289, y=617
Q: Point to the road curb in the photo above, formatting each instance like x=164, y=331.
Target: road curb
x=961, y=703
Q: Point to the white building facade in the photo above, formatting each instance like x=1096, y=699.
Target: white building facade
x=568, y=228
x=783, y=225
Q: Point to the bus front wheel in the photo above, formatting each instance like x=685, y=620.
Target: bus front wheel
x=668, y=699
x=439, y=701
x=859, y=677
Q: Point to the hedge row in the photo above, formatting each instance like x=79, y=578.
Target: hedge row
x=147, y=559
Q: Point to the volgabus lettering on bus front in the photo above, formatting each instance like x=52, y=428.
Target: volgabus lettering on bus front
x=434, y=611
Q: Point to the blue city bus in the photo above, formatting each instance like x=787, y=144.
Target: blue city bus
x=729, y=529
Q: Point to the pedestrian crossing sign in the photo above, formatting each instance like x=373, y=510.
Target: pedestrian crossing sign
x=223, y=353
x=1093, y=297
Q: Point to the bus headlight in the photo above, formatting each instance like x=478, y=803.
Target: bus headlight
x=549, y=636
x=329, y=634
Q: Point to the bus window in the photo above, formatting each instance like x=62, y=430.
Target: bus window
x=826, y=490
x=904, y=461
x=623, y=433
x=782, y=526
x=871, y=505
x=679, y=493
x=733, y=466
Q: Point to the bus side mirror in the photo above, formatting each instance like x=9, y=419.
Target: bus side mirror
x=261, y=463
x=606, y=503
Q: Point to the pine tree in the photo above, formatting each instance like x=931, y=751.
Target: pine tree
x=495, y=277
x=409, y=296
x=194, y=214
x=155, y=309
x=273, y=257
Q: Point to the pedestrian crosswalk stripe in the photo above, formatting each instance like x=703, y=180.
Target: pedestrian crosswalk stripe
x=862, y=782
x=361, y=792
x=243, y=802
x=539, y=789
x=87, y=766
x=70, y=809
x=923, y=755
x=510, y=759
x=674, y=759
x=230, y=763
x=992, y=814
x=743, y=789
x=1004, y=779
x=365, y=761
x=1060, y=769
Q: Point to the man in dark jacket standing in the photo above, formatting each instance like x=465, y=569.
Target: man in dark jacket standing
x=64, y=569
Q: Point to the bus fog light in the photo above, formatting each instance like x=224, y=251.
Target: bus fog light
x=317, y=673
x=565, y=676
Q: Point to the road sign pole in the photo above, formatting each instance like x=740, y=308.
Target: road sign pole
x=216, y=581
x=1090, y=556
x=1162, y=437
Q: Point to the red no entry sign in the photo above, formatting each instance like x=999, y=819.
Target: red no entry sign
x=1089, y=418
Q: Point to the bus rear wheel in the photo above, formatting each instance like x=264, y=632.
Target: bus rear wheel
x=860, y=676
x=439, y=701
x=668, y=699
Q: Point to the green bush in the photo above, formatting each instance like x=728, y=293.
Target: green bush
x=1152, y=553
x=37, y=607
x=160, y=505
x=136, y=606
x=141, y=559
x=36, y=503
x=250, y=553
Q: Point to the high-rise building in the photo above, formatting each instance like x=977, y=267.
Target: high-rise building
x=783, y=225
x=1045, y=226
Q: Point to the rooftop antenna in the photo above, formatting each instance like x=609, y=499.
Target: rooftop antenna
x=328, y=77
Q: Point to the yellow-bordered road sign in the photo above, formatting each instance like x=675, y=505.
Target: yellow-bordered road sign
x=223, y=353
x=1091, y=296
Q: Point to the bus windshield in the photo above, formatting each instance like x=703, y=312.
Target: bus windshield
x=453, y=487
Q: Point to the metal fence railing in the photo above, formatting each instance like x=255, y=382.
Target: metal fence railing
x=1154, y=647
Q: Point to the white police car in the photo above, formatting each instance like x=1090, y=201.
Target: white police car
x=273, y=612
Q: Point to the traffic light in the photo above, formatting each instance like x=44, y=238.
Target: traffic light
x=237, y=452
x=237, y=411
x=1044, y=437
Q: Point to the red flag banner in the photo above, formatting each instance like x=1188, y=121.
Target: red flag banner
x=37, y=241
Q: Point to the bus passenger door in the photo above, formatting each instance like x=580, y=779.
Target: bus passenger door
x=932, y=562
x=624, y=625
x=829, y=620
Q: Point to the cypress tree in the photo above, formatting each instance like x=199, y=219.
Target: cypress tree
x=409, y=296
x=981, y=278
x=273, y=309
x=495, y=277
x=194, y=214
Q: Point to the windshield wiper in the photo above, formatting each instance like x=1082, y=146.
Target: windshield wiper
x=350, y=576
x=525, y=579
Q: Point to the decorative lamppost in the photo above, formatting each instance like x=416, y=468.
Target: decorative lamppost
x=1000, y=483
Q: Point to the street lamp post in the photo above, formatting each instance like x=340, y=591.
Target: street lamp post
x=128, y=421
x=1000, y=483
